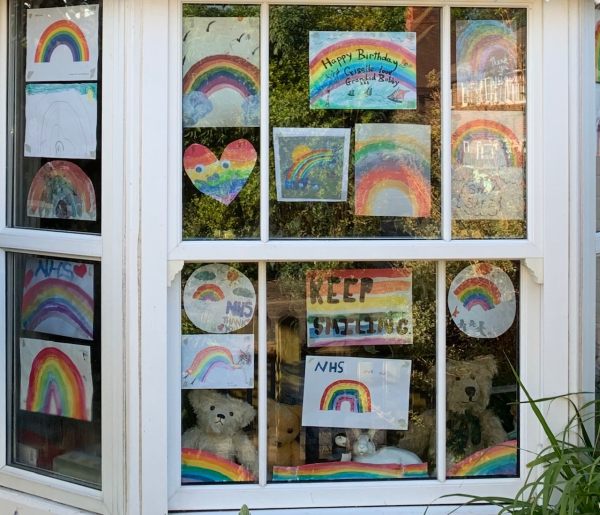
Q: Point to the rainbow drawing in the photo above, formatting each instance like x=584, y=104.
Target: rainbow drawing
x=346, y=391
x=209, y=293
x=597, y=53
x=393, y=170
x=478, y=291
x=207, y=360
x=62, y=33
x=199, y=466
x=499, y=460
x=348, y=470
x=306, y=160
x=61, y=189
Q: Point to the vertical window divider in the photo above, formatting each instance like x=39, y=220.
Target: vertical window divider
x=264, y=122
x=262, y=373
x=440, y=389
x=446, y=109
x=3, y=354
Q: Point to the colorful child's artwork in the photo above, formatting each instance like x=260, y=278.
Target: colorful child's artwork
x=362, y=393
x=488, y=172
x=221, y=179
x=345, y=470
x=362, y=70
x=359, y=307
x=62, y=44
x=217, y=361
x=219, y=299
x=500, y=460
x=60, y=189
x=199, y=466
x=597, y=45
x=56, y=379
x=221, y=78
x=58, y=298
x=392, y=170
x=482, y=301
x=60, y=120
x=311, y=165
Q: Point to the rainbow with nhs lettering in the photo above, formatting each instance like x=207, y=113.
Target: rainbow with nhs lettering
x=346, y=392
x=62, y=33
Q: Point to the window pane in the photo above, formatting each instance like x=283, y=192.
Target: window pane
x=221, y=117
x=55, y=88
x=350, y=350
x=355, y=118
x=218, y=371
x=488, y=123
x=482, y=345
x=53, y=372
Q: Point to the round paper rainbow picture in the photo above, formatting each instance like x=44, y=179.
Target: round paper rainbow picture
x=217, y=298
x=481, y=301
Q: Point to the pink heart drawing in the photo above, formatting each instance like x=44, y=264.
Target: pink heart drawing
x=221, y=179
x=80, y=270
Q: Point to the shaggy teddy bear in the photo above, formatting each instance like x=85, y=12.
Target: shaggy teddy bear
x=220, y=420
x=283, y=427
x=470, y=426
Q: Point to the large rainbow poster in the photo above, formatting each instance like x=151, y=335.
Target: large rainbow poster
x=392, y=170
x=221, y=78
x=217, y=361
x=362, y=70
x=56, y=379
x=360, y=393
x=62, y=43
x=359, y=307
x=58, y=298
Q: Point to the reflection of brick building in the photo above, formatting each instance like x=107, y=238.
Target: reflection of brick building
x=425, y=21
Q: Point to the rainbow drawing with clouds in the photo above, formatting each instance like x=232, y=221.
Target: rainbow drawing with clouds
x=62, y=33
x=349, y=392
x=393, y=170
x=199, y=466
x=347, y=470
x=61, y=189
x=478, y=291
x=207, y=360
x=362, y=70
x=500, y=460
x=209, y=293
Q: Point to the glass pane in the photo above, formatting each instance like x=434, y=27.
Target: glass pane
x=221, y=117
x=482, y=340
x=53, y=372
x=355, y=113
x=489, y=64
x=350, y=350
x=55, y=128
x=598, y=327
x=218, y=373
x=597, y=110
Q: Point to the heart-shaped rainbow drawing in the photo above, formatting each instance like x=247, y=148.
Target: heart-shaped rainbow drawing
x=221, y=179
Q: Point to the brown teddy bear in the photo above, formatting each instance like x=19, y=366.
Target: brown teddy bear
x=470, y=426
x=283, y=427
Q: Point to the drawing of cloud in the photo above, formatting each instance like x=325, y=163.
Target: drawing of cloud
x=250, y=108
x=205, y=276
x=196, y=106
x=244, y=292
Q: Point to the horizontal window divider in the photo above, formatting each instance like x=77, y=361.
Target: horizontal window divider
x=84, y=246
x=415, y=3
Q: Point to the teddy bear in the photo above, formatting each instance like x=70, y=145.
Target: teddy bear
x=470, y=426
x=220, y=420
x=283, y=427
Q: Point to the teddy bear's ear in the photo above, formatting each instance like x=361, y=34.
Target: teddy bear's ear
x=196, y=399
x=488, y=362
x=296, y=409
x=246, y=413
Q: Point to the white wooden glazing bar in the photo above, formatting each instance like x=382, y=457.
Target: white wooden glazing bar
x=446, y=110
x=264, y=123
x=440, y=372
x=3, y=358
x=3, y=114
x=597, y=243
x=262, y=373
x=84, y=246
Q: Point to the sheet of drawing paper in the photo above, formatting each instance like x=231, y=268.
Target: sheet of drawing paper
x=311, y=165
x=221, y=78
x=392, y=170
x=362, y=393
x=359, y=307
x=482, y=301
x=362, y=70
x=56, y=378
x=217, y=361
x=217, y=298
x=488, y=174
x=58, y=298
x=60, y=120
x=62, y=44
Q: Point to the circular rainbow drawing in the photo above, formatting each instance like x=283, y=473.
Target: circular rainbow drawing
x=500, y=460
x=217, y=298
x=62, y=33
x=346, y=393
x=482, y=301
x=60, y=189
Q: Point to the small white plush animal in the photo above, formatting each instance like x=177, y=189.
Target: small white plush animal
x=364, y=451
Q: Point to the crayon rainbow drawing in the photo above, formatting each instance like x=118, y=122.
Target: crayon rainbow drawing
x=60, y=189
x=393, y=170
x=346, y=393
x=340, y=470
x=500, y=460
x=199, y=466
x=208, y=360
x=209, y=293
x=478, y=291
x=62, y=33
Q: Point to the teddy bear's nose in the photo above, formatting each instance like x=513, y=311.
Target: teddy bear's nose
x=470, y=391
x=220, y=415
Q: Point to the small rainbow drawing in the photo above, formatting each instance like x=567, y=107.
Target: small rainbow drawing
x=487, y=131
x=478, y=291
x=341, y=470
x=209, y=293
x=398, y=163
x=597, y=51
x=60, y=189
x=306, y=160
x=59, y=33
x=350, y=391
x=222, y=71
x=500, y=460
x=55, y=386
x=214, y=356
x=205, y=467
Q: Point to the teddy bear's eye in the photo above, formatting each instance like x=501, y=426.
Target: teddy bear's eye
x=473, y=377
x=290, y=430
x=231, y=413
x=457, y=378
x=212, y=408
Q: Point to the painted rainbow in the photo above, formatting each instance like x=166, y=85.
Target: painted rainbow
x=340, y=470
x=346, y=391
x=478, y=291
x=304, y=164
x=205, y=467
x=214, y=356
x=500, y=460
x=209, y=292
x=62, y=33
